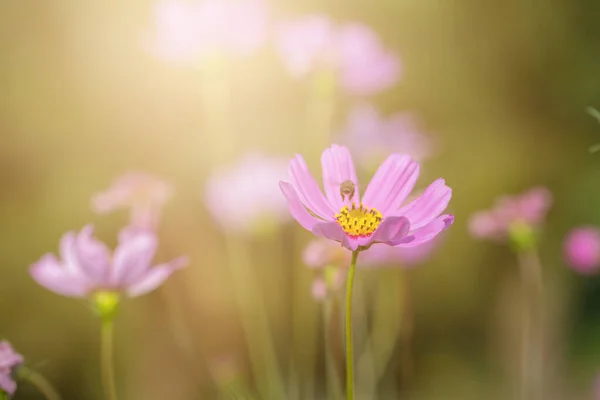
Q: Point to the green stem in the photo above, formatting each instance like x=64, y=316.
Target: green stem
x=255, y=322
x=39, y=382
x=106, y=359
x=334, y=388
x=349, y=343
x=531, y=328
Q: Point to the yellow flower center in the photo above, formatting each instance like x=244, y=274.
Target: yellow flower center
x=359, y=222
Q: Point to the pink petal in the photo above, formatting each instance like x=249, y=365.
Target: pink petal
x=337, y=168
x=154, y=277
x=308, y=190
x=391, y=230
x=296, y=207
x=332, y=230
x=93, y=255
x=392, y=183
x=429, y=205
x=132, y=258
x=49, y=273
x=427, y=233
x=68, y=252
x=7, y=384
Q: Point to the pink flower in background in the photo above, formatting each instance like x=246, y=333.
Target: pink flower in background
x=371, y=137
x=244, y=197
x=192, y=30
x=582, y=249
x=143, y=194
x=379, y=216
x=352, y=51
x=9, y=360
x=322, y=252
x=529, y=208
x=87, y=266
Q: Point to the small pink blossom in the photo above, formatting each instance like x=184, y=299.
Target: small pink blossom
x=143, y=194
x=9, y=360
x=244, y=197
x=86, y=266
x=193, y=30
x=582, y=249
x=529, y=208
x=353, y=51
x=371, y=137
x=322, y=252
x=380, y=215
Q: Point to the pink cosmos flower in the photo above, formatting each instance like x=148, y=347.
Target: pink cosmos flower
x=352, y=51
x=192, y=30
x=529, y=208
x=379, y=216
x=143, y=194
x=87, y=266
x=582, y=249
x=9, y=360
x=371, y=137
x=244, y=198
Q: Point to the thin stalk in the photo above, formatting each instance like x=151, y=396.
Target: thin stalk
x=106, y=359
x=39, y=382
x=531, y=328
x=255, y=323
x=334, y=390
x=349, y=342
x=406, y=329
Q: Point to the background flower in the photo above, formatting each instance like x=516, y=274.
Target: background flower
x=353, y=51
x=528, y=208
x=87, y=266
x=194, y=30
x=9, y=360
x=244, y=197
x=582, y=249
x=143, y=194
x=371, y=137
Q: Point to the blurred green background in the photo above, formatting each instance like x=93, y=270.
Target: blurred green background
x=502, y=85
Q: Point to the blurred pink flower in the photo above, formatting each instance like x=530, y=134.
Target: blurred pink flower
x=379, y=216
x=9, y=360
x=87, y=266
x=244, y=197
x=529, y=208
x=352, y=51
x=371, y=137
x=322, y=252
x=193, y=30
x=143, y=194
x=582, y=249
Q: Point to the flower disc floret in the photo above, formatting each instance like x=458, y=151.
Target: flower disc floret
x=359, y=222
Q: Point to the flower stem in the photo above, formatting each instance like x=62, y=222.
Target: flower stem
x=349, y=343
x=40, y=383
x=106, y=359
x=334, y=388
x=531, y=328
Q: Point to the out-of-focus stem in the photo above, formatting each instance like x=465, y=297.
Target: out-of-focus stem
x=320, y=112
x=218, y=140
x=106, y=359
x=334, y=390
x=532, y=328
x=39, y=382
x=263, y=357
x=349, y=341
x=406, y=329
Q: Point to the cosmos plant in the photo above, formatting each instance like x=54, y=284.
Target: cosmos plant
x=379, y=217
